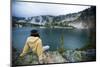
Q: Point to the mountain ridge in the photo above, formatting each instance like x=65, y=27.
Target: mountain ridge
x=83, y=19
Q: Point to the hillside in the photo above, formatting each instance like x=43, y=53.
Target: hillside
x=83, y=19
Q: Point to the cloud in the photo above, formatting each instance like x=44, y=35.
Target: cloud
x=26, y=9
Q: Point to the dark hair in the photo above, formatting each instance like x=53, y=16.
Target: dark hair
x=34, y=33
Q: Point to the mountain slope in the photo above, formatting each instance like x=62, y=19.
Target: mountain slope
x=83, y=19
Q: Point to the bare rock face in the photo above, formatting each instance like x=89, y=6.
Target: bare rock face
x=31, y=59
x=73, y=56
x=68, y=56
x=80, y=56
x=55, y=57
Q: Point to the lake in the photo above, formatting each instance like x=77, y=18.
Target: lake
x=72, y=38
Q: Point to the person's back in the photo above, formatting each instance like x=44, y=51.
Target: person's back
x=35, y=43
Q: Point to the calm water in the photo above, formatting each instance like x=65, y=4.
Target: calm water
x=72, y=38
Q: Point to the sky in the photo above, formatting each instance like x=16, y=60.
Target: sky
x=26, y=9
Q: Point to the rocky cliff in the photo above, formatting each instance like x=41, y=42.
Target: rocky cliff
x=83, y=19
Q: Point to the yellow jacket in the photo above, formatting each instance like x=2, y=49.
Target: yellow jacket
x=35, y=43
